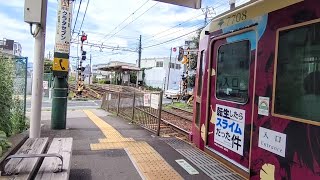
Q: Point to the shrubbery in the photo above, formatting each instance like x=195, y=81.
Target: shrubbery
x=12, y=117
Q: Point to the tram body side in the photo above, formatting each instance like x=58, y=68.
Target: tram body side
x=257, y=93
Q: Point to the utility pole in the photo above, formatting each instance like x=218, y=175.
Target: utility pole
x=61, y=65
x=232, y=4
x=206, y=17
x=39, y=53
x=90, y=70
x=139, y=61
x=169, y=69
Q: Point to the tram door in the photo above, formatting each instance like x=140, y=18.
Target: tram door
x=231, y=97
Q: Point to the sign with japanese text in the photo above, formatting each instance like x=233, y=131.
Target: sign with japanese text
x=63, y=31
x=155, y=101
x=147, y=100
x=263, y=107
x=272, y=141
x=229, y=128
x=45, y=85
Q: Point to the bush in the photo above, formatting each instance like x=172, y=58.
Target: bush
x=4, y=143
x=12, y=117
x=150, y=88
x=6, y=89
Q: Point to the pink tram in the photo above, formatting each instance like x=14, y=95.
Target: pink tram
x=257, y=95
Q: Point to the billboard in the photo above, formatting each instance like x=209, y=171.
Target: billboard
x=195, y=4
x=63, y=31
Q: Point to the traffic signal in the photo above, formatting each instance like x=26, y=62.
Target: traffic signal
x=181, y=54
x=83, y=38
x=84, y=57
x=82, y=69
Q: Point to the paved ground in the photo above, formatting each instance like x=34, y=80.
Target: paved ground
x=72, y=105
x=108, y=164
x=87, y=164
x=90, y=104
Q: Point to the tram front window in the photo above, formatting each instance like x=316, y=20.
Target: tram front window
x=297, y=92
x=233, y=72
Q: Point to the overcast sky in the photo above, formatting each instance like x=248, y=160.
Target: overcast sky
x=102, y=21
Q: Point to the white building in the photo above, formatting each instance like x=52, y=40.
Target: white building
x=158, y=73
x=98, y=73
x=10, y=47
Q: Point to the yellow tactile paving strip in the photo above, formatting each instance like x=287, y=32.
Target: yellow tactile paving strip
x=148, y=161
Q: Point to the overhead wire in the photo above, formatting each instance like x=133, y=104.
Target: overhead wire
x=102, y=34
x=131, y=22
x=84, y=16
x=75, y=22
x=184, y=22
x=125, y=20
x=175, y=26
x=173, y=32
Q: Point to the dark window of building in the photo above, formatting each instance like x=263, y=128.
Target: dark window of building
x=172, y=65
x=297, y=92
x=178, y=66
x=159, y=64
x=233, y=72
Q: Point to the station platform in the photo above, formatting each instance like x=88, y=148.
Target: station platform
x=109, y=147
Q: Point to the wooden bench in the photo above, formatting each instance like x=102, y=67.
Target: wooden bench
x=25, y=164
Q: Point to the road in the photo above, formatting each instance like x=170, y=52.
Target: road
x=47, y=103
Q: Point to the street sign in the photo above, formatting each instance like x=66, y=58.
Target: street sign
x=45, y=85
x=174, y=49
x=155, y=101
x=195, y=4
x=63, y=32
x=60, y=64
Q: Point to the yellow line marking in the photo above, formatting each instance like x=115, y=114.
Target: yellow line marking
x=148, y=161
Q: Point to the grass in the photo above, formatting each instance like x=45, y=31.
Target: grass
x=180, y=105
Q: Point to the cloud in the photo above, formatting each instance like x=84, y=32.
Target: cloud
x=101, y=25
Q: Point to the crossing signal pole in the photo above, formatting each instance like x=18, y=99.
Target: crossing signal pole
x=80, y=84
x=139, y=61
x=185, y=82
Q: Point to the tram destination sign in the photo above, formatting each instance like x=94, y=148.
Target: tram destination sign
x=229, y=128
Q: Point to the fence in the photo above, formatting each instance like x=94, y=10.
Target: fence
x=13, y=84
x=142, y=108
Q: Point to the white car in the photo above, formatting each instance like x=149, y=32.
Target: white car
x=172, y=93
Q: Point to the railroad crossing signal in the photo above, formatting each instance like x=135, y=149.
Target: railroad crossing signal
x=181, y=54
x=84, y=57
x=83, y=37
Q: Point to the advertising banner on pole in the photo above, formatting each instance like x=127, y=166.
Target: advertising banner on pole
x=63, y=31
x=229, y=128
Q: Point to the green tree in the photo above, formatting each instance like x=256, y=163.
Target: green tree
x=6, y=89
x=47, y=65
x=133, y=77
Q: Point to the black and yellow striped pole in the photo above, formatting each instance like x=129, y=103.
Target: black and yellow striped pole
x=185, y=79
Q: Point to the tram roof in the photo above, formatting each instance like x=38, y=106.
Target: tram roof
x=252, y=9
